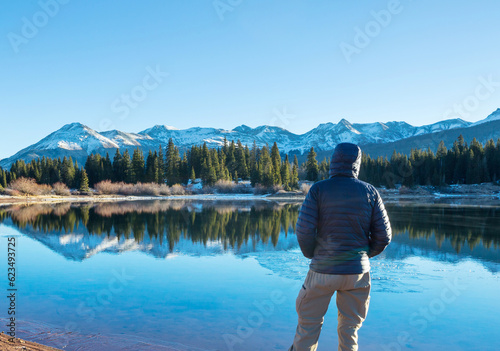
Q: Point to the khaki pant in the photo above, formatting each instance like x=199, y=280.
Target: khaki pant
x=353, y=298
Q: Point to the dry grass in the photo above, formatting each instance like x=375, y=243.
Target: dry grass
x=107, y=187
x=177, y=189
x=28, y=186
x=11, y=192
x=61, y=189
x=262, y=190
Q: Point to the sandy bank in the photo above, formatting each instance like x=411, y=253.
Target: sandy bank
x=19, y=344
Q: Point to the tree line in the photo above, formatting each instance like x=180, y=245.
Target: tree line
x=232, y=162
x=462, y=164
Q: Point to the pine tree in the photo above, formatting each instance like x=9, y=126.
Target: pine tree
x=241, y=161
x=184, y=169
x=151, y=175
x=276, y=161
x=193, y=175
x=285, y=174
x=128, y=172
x=253, y=165
x=441, y=162
x=211, y=175
x=118, y=171
x=161, y=166
x=84, y=181
x=67, y=172
x=312, y=168
x=3, y=179
x=266, y=168
x=231, y=158
x=324, y=168
x=107, y=168
x=172, y=163
x=138, y=166
x=294, y=181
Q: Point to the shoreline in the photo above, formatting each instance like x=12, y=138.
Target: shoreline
x=471, y=193
x=21, y=344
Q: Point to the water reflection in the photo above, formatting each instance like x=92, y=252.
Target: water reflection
x=163, y=227
x=227, y=256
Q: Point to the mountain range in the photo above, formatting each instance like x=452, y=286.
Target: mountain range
x=377, y=139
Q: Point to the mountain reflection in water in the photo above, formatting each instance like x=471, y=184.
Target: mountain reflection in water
x=163, y=227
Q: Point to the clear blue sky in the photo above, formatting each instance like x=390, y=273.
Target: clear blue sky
x=74, y=63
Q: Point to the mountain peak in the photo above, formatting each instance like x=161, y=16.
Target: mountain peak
x=79, y=141
x=158, y=129
x=73, y=126
x=243, y=128
x=495, y=115
x=169, y=127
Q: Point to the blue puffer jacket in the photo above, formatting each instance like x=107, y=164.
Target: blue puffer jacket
x=342, y=221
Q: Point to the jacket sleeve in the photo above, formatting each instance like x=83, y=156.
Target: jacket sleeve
x=380, y=228
x=307, y=223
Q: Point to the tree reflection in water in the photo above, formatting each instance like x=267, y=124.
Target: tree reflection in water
x=233, y=223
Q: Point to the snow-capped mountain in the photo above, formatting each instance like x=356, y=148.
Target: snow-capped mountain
x=79, y=141
x=74, y=136
x=494, y=116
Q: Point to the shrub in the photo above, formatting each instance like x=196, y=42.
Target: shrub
x=28, y=186
x=277, y=189
x=61, y=189
x=261, y=190
x=164, y=190
x=228, y=187
x=107, y=187
x=177, y=189
x=147, y=189
x=11, y=192
x=304, y=187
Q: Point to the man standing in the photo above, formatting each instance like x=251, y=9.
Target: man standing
x=342, y=223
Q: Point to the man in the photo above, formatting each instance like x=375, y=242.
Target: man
x=342, y=223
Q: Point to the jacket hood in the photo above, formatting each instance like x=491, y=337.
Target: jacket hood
x=346, y=160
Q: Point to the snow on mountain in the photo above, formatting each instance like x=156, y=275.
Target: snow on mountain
x=79, y=141
x=123, y=139
x=443, y=125
x=74, y=136
x=492, y=117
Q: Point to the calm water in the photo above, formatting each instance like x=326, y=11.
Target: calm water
x=180, y=275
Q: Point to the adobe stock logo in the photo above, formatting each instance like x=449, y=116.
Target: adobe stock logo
x=125, y=103
x=372, y=29
x=223, y=6
x=483, y=91
x=31, y=26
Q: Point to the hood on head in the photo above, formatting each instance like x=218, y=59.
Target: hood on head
x=346, y=160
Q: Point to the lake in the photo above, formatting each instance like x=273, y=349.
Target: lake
x=224, y=275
